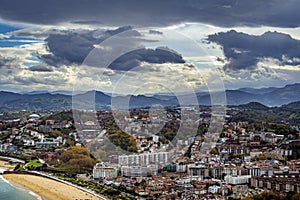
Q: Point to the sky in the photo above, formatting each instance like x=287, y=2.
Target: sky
x=135, y=46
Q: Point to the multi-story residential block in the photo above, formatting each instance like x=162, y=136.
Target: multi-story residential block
x=102, y=170
x=217, y=172
x=280, y=183
x=160, y=158
x=237, y=180
x=198, y=170
x=137, y=171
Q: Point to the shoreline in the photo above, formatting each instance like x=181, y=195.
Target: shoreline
x=37, y=184
x=20, y=187
x=46, y=188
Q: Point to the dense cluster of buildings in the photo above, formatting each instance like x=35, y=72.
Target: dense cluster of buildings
x=241, y=163
x=32, y=136
x=244, y=164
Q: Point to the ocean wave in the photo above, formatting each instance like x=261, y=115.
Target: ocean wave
x=2, y=169
x=4, y=180
x=35, y=195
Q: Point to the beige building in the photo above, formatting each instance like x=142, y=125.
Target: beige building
x=104, y=171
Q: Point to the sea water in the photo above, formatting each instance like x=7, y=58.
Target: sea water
x=9, y=192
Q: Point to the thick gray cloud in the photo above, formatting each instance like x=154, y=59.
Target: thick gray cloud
x=133, y=59
x=225, y=13
x=244, y=51
x=72, y=47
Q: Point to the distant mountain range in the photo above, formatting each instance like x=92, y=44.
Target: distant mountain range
x=62, y=100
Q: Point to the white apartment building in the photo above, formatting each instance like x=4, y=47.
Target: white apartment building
x=103, y=171
x=159, y=158
x=139, y=171
x=236, y=180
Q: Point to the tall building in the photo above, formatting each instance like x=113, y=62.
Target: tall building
x=200, y=171
x=104, y=171
x=235, y=180
x=159, y=158
x=138, y=171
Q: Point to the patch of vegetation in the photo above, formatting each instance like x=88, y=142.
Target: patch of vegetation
x=77, y=159
x=123, y=140
x=34, y=163
x=61, y=116
x=254, y=114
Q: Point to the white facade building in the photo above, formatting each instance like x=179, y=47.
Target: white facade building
x=236, y=180
x=138, y=171
x=161, y=158
x=103, y=171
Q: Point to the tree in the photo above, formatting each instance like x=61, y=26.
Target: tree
x=77, y=159
x=56, y=133
x=296, y=196
x=267, y=196
x=123, y=140
x=214, y=151
x=290, y=194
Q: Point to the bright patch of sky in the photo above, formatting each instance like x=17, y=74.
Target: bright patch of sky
x=13, y=41
x=8, y=40
x=5, y=28
x=32, y=61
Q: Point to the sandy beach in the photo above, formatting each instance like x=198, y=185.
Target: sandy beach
x=6, y=165
x=48, y=189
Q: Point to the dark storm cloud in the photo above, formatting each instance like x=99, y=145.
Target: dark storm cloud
x=224, y=13
x=244, y=51
x=73, y=47
x=41, y=68
x=133, y=59
x=154, y=32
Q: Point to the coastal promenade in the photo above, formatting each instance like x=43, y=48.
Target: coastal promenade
x=12, y=160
